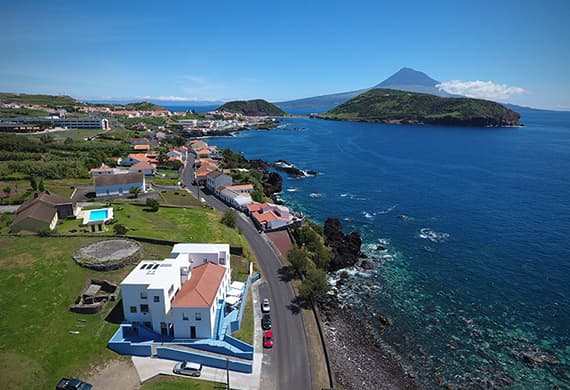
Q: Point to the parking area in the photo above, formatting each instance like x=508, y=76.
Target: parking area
x=149, y=367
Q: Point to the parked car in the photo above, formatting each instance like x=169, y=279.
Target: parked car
x=266, y=322
x=72, y=384
x=268, y=339
x=265, y=308
x=188, y=368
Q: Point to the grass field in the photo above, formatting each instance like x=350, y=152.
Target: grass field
x=171, y=383
x=179, y=198
x=21, y=189
x=175, y=224
x=245, y=332
x=38, y=280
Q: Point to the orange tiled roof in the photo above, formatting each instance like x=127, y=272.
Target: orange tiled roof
x=201, y=289
x=141, y=147
x=143, y=165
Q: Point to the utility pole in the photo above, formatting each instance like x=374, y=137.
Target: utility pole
x=227, y=373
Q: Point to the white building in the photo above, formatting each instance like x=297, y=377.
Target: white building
x=236, y=199
x=118, y=183
x=148, y=169
x=179, y=297
x=216, y=179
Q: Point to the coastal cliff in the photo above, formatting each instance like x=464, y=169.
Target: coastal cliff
x=394, y=106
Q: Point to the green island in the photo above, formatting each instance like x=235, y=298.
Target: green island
x=257, y=107
x=394, y=106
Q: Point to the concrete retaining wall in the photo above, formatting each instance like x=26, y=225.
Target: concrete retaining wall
x=206, y=360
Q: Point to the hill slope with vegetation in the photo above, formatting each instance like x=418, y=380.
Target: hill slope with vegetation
x=393, y=106
x=257, y=107
x=41, y=100
x=144, y=106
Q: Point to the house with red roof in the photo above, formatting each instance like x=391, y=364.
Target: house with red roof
x=148, y=169
x=181, y=296
x=269, y=216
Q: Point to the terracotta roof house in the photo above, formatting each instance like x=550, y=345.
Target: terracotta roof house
x=180, y=296
x=148, y=169
x=42, y=212
x=104, y=169
x=118, y=184
x=268, y=216
x=141, y=148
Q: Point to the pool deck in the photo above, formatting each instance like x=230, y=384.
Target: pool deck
x=86, y=214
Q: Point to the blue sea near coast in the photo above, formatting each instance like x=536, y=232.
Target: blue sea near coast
x=468, y=228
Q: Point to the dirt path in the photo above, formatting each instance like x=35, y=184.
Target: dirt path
x=117, y=374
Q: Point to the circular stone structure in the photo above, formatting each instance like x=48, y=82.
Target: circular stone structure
x=109, y=254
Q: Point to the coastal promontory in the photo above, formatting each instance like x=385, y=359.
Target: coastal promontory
x=394, y=106
x=257, y=107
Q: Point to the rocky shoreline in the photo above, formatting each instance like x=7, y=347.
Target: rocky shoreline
x=358, y=359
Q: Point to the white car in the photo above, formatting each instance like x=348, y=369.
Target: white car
x=265, y=308
x=188, y=368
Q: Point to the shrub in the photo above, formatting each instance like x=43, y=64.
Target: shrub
x=152, y=204
x=229, y=218
x=44, y=232
x=120, y=229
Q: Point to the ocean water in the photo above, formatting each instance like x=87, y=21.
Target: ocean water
x=468, y=229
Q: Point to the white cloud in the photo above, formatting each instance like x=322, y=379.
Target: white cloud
x=480, y=89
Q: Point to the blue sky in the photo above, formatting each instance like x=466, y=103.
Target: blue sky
x=519, y=51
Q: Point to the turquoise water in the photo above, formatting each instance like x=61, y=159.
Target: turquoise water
x=98, y=215
x=474, y=225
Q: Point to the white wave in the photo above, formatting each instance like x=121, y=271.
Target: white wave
x=389, y=209
x=433, y=236
x=368, y=215
x=292, y=189
x=316, y=195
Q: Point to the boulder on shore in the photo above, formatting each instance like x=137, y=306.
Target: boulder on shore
x=345, y=247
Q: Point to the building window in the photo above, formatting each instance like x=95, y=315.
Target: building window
x=223, y=260
x=184, y=317
x=144, y=295
x=198, y=316
x=144, y=308
x=156, y=298
x=148, y=324
x=133, y=309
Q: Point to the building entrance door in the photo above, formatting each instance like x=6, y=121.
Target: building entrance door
x=192, y=332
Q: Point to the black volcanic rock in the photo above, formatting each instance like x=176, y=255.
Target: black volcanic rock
x=345, y=247
x=272, y=183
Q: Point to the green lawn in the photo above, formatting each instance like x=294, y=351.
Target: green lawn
x=38, y=280
x=175, y=224
x=21, y=190
x=74, y=134
x=245, y=332
x=179, y=198
x=163, y=382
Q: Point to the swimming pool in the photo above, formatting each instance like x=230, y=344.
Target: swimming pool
x=98, y=215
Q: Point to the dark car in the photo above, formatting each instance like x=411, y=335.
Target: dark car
x=266, y=322
x=72, y=384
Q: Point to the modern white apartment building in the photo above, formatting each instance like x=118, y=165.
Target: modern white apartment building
x=180, y=296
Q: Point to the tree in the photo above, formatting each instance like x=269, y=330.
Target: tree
x=315, y=285
x=68, y=141
x=152, y=204
x=7, y=190
x=229, y=218
x=41, y=187
x=120, y=229
x=33, y=183
x=299, y=259
x=135, y=191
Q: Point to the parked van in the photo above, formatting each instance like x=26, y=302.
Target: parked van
x=188, y=368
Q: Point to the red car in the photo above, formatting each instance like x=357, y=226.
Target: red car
x=268, y=339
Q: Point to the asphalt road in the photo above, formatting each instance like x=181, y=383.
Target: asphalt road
x=286, y=366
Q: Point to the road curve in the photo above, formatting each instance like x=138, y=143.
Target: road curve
x=288, y=366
